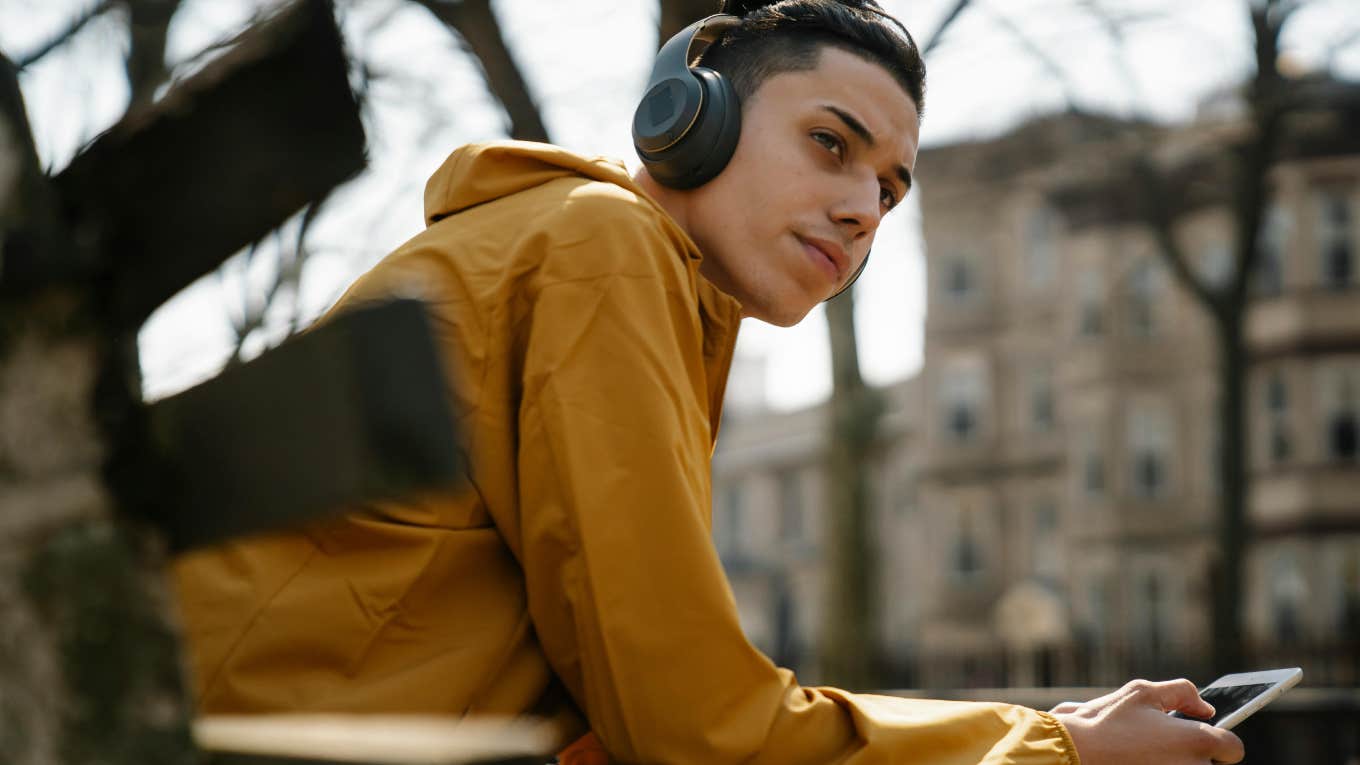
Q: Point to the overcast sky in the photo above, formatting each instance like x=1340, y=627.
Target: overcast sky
x=586, y=61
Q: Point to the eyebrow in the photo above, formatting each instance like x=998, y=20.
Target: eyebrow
x=860, y=130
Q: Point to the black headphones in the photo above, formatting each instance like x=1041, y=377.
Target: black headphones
x=686, y=127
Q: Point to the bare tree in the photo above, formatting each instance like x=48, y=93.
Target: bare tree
x=1227, y=305
x=1242, y=170
x=850, y=653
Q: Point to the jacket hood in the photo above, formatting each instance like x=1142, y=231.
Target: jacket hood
x=482, y=172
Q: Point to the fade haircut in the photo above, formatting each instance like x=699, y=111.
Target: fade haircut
x=777, y=36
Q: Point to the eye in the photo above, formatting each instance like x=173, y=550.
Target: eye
x=830, y=141
x=887, y=198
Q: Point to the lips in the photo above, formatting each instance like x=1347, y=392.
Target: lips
x=832, y=256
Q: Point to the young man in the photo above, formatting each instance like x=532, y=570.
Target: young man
x=589, y=320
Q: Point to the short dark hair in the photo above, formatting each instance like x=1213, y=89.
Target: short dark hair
x=777, y=36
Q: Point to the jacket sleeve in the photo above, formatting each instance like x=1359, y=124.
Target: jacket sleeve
x=625, y=589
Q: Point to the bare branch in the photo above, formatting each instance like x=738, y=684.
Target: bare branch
x=1160, y=218
x=949, y=18
x=474, y=22
x=148, y=23
x=1047, y=62
x=65, y=35
x=1114, y=29
x=287, y=277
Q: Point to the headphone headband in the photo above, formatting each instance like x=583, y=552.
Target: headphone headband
x=686, y=126
x=678, y=54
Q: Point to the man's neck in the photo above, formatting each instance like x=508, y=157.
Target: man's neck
x=672, y=201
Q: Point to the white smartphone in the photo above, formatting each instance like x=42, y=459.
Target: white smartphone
x=1237, y=697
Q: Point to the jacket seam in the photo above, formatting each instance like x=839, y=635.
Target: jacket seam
x=227, y=656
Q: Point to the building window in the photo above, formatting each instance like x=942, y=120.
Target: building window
x=1349, y=616
x=733, y=526
x=962, y=392
x=1335, y=240
x=1144, y=287
x=967, y=551
x=1149, y=629
x=1272, y=244
x=960, y=281
x=1045, y=551
x=962, y=420
x=1040, y=395
x=1149, y=450
x=1277, y=415
x=1212, y=451
x=1288, y=592
x=1090, y=304
x=1093, y=474
x=1216, y=264
x=1098, y=599
x=1343, y=436
x=792, y=508
x=904, y=492
x=1343, y=426
x=1041, y=248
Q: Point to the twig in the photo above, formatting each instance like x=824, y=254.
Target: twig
x=1049, y=63
x=949, y=18
x=66, y=34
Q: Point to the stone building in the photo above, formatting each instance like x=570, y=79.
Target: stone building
x=1048, y=490
x=767, y=496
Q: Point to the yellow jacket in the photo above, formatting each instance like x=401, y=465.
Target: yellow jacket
x=586, y=360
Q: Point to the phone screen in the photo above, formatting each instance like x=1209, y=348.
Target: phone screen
x=1227, y=699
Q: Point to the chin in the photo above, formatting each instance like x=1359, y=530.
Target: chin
x=779, y=316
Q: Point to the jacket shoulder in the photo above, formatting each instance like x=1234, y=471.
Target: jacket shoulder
x=602, y=227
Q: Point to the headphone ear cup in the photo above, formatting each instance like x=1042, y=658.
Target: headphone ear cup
x=706, y=148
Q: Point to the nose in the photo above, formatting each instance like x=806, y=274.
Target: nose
x=857, y=211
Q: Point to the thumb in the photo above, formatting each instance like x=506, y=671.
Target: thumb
x=1180, y=696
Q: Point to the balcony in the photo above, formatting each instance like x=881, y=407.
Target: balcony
x=1315, y=498
x=1312, y=321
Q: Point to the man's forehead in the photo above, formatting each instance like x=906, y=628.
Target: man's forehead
x=856, y=85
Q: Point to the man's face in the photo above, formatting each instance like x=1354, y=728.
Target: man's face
x=824, y=154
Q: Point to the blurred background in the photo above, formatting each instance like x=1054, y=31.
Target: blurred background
x=1092, y=411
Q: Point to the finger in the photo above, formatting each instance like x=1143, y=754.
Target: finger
x=1179, y=696
x=1226, y=747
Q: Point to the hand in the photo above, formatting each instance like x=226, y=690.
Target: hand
x=1131, y=727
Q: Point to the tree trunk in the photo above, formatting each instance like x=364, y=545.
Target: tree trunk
x=1234, y=495
x=850, y=649
x=88, y=662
